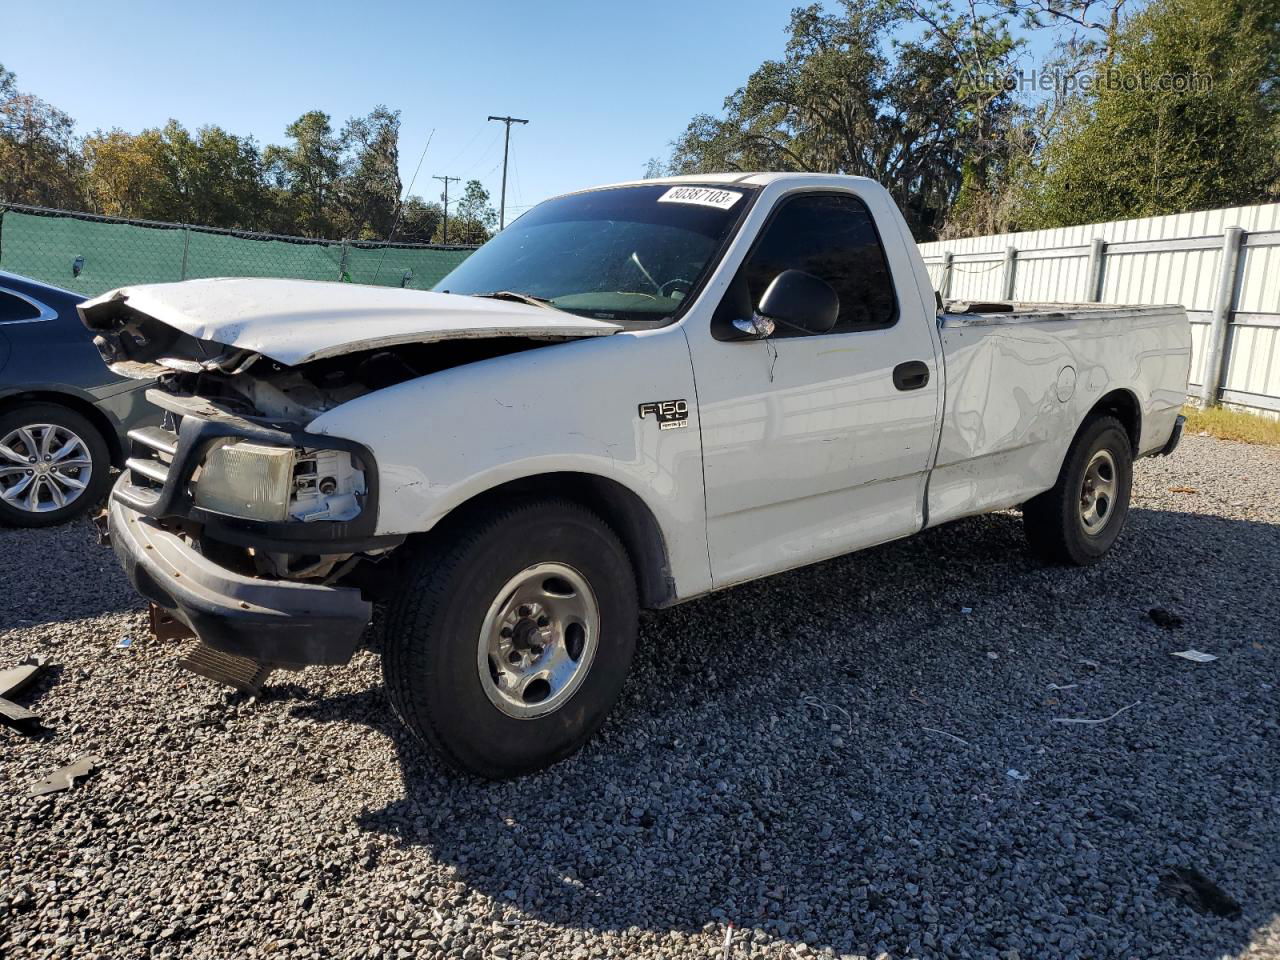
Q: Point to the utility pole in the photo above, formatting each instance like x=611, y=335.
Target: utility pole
x=446, y=203
x=506, y=148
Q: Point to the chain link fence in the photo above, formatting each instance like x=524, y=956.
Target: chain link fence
x=91, y=254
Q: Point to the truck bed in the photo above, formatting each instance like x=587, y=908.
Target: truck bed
x=1021, y=376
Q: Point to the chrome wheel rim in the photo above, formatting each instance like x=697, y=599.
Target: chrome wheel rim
x=538, y=640
x=1098, y=492
x=43, y=467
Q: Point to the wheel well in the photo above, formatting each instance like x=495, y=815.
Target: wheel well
x=1122, y=405
x=628, y=516
x=81, y=406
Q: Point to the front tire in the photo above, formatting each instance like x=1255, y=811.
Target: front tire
x=54, y=465
x=506, y=650
x=1079, y=519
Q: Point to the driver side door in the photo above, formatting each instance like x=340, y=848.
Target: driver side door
x=814, y=445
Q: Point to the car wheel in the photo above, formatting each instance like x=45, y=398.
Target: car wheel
x=1078, y=520
x=506, y=650
x=54, y=465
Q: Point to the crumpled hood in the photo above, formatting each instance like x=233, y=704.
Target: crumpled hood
x=297, y=321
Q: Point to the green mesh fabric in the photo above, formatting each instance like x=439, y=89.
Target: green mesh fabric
x=45, y=247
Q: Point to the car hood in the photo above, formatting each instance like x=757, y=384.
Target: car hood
x=297, y=321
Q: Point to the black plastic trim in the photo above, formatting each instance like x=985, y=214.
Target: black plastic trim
x=1174, y=438
x=197, y=433
x=274, y=621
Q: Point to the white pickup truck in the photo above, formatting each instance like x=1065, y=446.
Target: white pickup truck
x=631, y=396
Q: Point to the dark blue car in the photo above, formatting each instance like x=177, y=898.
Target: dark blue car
x=63, y=414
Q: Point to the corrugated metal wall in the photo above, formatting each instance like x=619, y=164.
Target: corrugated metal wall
x=1172, y=259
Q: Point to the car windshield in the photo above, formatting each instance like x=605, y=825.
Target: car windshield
x=626, y=253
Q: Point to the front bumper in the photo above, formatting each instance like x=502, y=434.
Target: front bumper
x=273, y=621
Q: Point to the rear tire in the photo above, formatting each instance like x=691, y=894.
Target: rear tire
x=54, y=465
x=1079, y=519
x=505, y=651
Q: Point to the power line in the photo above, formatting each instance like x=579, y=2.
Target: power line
x=502, y=204
x=446, y=202
x=400, y=206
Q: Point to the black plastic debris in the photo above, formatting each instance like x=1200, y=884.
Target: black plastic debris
x=64, y=778
x=1198, y=892
x=1163, y=618
x=12, y=682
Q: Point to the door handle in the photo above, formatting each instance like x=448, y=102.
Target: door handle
x=911, y=375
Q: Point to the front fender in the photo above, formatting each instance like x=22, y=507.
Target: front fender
x=448, y=437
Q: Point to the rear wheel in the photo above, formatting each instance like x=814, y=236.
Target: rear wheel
x=506, y=650
x=54, y=465
x=1078, y=520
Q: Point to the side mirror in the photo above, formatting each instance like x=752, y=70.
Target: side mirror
x=801, y=300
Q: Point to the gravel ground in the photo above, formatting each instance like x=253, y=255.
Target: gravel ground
x=859, y=758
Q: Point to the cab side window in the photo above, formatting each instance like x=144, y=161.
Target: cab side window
x=831, y=236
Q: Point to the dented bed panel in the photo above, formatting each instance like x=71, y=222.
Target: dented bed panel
x=298, y=321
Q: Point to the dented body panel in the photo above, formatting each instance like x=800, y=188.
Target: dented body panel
x=297, y=321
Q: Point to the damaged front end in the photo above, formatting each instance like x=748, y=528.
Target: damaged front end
x=258, y=535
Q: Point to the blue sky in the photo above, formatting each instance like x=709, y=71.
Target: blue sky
x=605, y=85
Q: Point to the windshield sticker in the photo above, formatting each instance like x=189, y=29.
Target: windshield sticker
x=702, y=196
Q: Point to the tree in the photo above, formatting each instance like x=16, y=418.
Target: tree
x=845, y=99
x=306, y=174
x=39, y=153
x=1186, y=118
x=370, y=187
x=473, y=217
x=213, y=178
x=419, y=221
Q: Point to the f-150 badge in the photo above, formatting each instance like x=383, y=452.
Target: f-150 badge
x=670, y=414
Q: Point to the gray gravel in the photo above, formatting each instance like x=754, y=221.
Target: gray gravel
x=823, y=759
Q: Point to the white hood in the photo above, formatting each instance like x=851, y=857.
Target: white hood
x=296, y=321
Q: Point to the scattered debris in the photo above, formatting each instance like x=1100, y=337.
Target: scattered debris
x=125, y=642
x=1091, y=664
x=917, y=698
x=1013, y=774
x=823, y=706
x=1184, y=489
x=1195, y=655
x=64, y=778
x=1069, y=686
x=1103, y=720
x=1163, y=618
x=992, y=655
x=1198, y=892
x=13, y=681
x=966, y=610
x=945, y=734
x=728, y=942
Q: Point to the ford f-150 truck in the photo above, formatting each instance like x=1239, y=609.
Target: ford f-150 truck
x=631, y=396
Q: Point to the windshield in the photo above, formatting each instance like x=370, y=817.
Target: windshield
x=628, y=253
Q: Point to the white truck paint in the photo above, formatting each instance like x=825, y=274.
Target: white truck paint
x=787, y=449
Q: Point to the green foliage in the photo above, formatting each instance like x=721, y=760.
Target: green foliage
x=846, y=98
x=39, y=156
x=472, y=218
x=1134, y=152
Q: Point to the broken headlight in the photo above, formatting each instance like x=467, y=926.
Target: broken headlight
x=258, y=481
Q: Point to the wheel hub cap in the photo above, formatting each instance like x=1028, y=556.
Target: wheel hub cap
x=538, y=640
x=43, y=467
x=1098, y=492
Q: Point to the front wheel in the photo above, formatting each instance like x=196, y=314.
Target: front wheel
x=508, y=647
x=1078, y=520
